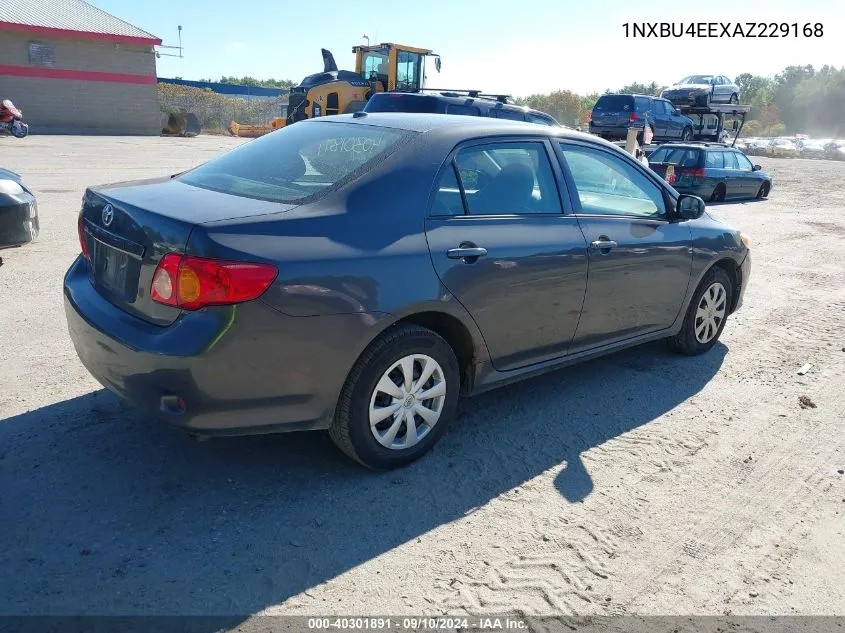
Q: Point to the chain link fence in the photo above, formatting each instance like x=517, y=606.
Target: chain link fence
x=216, y=111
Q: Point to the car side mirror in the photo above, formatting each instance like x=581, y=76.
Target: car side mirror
x=689, y=207
x=756, y=168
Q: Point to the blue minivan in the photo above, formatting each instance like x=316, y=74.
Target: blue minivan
x=613, y=114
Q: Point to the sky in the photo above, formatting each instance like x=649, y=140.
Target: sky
x=498, y=46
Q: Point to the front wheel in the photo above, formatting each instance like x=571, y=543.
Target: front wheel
x=399, y=398
x=763, y=191
x=19, y=130
x=734, y=98
x=687, y=134
x=706, y=316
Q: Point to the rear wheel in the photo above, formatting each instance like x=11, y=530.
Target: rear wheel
x=764, y=191
x=734, y=98
x=706, y=316
x=719, y=193
x=399, y=398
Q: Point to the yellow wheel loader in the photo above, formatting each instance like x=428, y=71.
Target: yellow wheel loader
x=378, y=68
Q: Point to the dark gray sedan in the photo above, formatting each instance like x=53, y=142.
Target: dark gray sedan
x=359, y=273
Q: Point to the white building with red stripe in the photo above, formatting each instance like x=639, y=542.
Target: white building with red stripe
x=75, y=69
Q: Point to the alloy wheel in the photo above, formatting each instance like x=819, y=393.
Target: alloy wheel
x=407, y=401
x=710, y=313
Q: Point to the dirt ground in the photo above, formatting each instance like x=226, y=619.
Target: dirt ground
x=642, y=483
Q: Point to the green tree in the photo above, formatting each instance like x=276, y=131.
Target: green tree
x=818, y=103
x=786, y=83
x=641, y=89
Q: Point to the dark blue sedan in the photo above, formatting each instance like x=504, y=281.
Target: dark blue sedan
x=359, y=273
x=713, y=172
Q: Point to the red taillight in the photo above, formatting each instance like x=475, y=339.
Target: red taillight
x=80, y=227
x=591, y=116
x=698, y=172
x=192, y=283
x=633, y=116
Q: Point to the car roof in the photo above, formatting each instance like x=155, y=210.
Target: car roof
x=695, y=146
x=425, y=122
x=468, y=100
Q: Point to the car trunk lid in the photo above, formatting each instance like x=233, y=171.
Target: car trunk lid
x=128, y=228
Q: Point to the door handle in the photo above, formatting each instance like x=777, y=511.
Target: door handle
x=603, y=244
x=466, y=252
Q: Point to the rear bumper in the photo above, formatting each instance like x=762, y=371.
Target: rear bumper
x=610, y=132
x=704, y=190
x=231, y=370
x=18, y=219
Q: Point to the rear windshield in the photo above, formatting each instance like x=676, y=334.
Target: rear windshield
x=397, y=102
x=615, y=103
x=297, y=162
x=675, y=156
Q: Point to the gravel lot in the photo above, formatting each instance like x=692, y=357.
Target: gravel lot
x=640, y=483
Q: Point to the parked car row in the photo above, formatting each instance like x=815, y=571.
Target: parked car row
x=792, y=147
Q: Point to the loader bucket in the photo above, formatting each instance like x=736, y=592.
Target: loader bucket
x=181, y=124
x=248, y=131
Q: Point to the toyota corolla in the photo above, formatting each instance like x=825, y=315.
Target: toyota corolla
x=359, y=273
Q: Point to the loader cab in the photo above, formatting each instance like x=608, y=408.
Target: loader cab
x=390, y=66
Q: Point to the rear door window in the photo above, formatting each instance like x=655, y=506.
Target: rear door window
x=536, y=118
x=297, y=163
x=511, y=115
x=643, y=104
x=715, y=160
x=508, y=179
x=454, y=108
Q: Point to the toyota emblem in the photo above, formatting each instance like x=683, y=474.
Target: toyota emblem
x=108, y=215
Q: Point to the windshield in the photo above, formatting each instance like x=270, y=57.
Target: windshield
x=297, y=162
x=697, y=79
x=375, y=65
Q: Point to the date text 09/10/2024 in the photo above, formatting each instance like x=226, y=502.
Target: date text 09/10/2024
x=417, y=624
x=723, y=29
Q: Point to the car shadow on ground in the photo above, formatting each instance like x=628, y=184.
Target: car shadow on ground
x=105, y=512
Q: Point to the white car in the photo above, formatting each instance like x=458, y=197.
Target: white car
x=702, y=90
x=784, y=147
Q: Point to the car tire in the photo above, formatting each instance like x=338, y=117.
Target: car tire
x=364, y=398
x=687, y=134
x=763, y=191
x=734, y=98
x=719, y=193
x=703, y=325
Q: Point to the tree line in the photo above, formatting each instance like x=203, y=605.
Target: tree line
x=799, y=99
